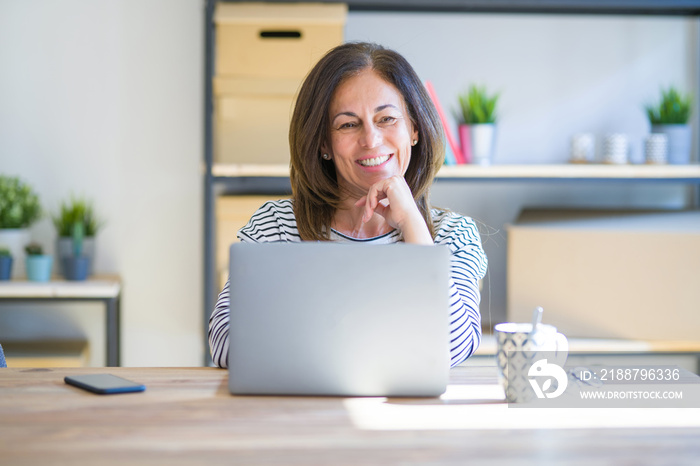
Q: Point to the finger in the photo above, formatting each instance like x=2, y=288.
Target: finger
x=370, y=204
x=376, y=195
x=382, y=207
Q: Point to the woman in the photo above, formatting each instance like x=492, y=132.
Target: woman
x=365, y=144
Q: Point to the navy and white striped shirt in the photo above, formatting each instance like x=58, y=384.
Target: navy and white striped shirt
x=275, y=222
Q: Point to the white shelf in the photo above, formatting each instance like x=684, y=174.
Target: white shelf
x=230, y=170
x=94, y=288
x=573, y=171
x=551, y=172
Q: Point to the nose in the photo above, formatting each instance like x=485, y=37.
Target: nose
x=371, y=136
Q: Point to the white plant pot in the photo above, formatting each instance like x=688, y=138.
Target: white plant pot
x=483, y=138
x=15, y=239
x=679, y=142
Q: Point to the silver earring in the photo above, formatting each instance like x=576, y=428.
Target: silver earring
x=415, y=141
x=326, y=157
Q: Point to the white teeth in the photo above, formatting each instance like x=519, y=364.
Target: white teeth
x=373, y=162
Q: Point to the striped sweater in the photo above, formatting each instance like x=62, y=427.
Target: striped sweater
x=275, y=222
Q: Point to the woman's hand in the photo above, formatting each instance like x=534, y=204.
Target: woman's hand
x=392, y=199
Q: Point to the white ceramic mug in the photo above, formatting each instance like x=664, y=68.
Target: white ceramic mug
x=519, y=348
x=615, y=149
x=582, y=148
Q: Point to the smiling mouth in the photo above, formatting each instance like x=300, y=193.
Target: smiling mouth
x=374, y=161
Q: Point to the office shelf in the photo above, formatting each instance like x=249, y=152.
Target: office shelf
x=104, y=289
x=229, y=170
x=248, y=179
x=680, y=173
x=564, y=172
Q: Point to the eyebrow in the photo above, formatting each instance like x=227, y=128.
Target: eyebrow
x=376, y=110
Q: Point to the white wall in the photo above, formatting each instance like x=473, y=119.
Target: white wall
x=104, y=99
x=558, y=75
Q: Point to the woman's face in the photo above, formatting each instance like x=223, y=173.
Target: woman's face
x=370, y=132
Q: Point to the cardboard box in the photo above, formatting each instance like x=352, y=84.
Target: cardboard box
x=251, y=120
x=232, y=214
x=275, y=40
x=263, y=53
x=607, y=274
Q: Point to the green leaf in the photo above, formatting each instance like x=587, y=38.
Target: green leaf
x=19, y=205
x=76, y=210
x=477, y=106
x=674, y=108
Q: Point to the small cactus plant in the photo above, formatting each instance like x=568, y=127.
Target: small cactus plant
x=34, y=249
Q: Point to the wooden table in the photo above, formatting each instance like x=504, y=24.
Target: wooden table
x=186, y=416
x=106, y=290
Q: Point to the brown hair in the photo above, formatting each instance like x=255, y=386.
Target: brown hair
x=314, y=184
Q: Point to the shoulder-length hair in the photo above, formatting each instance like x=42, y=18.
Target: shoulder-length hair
x=315, y=188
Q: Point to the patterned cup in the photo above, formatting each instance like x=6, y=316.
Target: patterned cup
x=656, y=148
x=582, y=148
x=518, y=349
x=615, y=149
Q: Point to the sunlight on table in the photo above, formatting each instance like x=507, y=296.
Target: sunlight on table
x=474, y=407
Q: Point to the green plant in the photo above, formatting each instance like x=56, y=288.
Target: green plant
x=76, y=210
x=674, y=108
x=4, y=252
x=19, y=205
x=34, y=249
x=477, y=106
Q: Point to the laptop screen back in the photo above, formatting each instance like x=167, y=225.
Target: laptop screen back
x=339, y=319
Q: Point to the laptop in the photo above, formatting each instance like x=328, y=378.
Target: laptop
x=333, y=319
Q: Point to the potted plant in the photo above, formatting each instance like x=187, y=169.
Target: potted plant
x=5, y=263
x=19, y=208
x=38, y=263
x=76, y=210
x=76, y=265
x=670, y=117
x=477, y=129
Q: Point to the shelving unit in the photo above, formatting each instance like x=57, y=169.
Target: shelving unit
x=248, y=179
x=106, y=290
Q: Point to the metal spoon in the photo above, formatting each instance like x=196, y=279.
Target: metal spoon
x=536, y=317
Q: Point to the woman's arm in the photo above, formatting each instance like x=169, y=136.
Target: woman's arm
x=468, y=265
x=392, y=199
x=218, y=329
x=465, y=319
x=273, y=222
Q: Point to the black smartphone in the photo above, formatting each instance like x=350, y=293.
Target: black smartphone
x=104, y=384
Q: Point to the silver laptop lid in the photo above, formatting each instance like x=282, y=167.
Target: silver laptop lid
x=339, y=319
